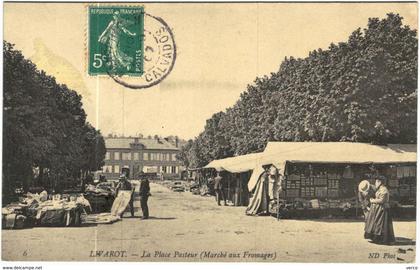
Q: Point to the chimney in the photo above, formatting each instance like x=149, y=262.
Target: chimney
x=176, y=141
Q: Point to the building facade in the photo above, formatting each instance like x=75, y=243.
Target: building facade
x=141, y=155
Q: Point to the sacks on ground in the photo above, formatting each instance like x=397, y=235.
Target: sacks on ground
x=20, y=222
x=8, y=221
x=121, y=202
x=14, y=221
x=53, y=217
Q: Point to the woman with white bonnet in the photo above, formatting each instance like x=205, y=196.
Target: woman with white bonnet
x=366, y=192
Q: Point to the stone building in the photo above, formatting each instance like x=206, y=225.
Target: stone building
x=153, y=156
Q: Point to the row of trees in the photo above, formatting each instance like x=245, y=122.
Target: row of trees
x=362, y=90
x=45, y=132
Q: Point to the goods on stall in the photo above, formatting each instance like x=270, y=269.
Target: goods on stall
x=36, y=209
x=315, y=203
x=59, y=212
x=100, y=197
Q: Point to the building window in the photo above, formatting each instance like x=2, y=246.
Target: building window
x=136, y=156
x=174, y=169
x=145, y=156
x=107, y=156
x=116, y=155
x=163, y=169
x=126, y=156
x=168, y=157
x=107, y=169
x=116, y=168
x=174, y=157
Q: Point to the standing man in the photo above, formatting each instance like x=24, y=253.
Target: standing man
x=219, y=189
x=124, y=184
x=144, y=196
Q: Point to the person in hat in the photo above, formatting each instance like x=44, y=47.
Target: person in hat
x=144, y=195
x=366, y=192
x=124, y=184
x=378, y=225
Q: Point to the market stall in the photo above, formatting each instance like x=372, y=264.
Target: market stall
x=45, y=210
x=321, y=178
x=64, y=210
x=236, y=172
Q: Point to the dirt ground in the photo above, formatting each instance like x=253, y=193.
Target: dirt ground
x=186, y=227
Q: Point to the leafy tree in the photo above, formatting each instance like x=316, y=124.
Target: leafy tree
x=362, y=90
x=44, y=127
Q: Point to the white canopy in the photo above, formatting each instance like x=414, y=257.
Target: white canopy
x=278, y=153
x=237, y=164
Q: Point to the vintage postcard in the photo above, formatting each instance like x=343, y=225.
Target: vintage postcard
x=210, y=132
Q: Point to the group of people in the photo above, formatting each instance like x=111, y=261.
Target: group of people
x=374, y=200
x=144, y=193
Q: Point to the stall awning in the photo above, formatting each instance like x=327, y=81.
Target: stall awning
x=237, y=164
x=278, y=153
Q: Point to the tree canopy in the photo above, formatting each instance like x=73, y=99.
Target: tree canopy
x=44, y=126
x=362, y=90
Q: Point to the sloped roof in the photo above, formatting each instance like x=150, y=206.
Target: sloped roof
x=278, y=153
x=124, y=143
x=337, y=152
x=236, y=164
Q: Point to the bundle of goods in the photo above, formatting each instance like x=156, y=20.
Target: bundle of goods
x=103, y=218
x=14, y=216
x=108, y=186
x=302, y=203
x=205, y=190
x=195, y=189
x=118, y=208
x=100, y=198
x=37, y=209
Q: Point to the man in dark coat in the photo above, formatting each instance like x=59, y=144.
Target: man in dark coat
x=144, y=196
x=219, y=189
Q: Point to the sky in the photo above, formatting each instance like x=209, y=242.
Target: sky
x=221, y=48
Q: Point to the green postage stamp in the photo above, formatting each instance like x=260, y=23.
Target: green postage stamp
x=115, y=41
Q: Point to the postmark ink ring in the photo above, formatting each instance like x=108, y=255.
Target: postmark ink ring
x=159, y=55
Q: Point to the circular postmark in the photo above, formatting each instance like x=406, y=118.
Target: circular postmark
x=159, y=55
